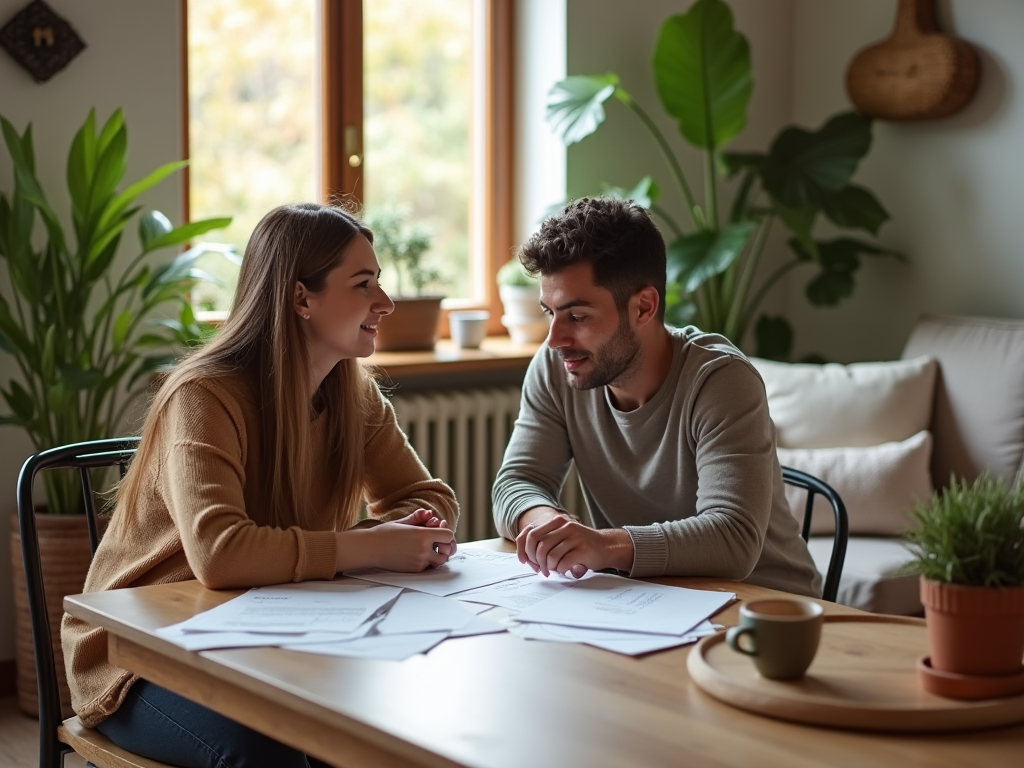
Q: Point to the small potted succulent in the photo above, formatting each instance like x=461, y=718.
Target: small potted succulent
x=402, y=247
x=520, y=300
x=968, y=547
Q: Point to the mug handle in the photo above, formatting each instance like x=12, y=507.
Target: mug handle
x=734, y=636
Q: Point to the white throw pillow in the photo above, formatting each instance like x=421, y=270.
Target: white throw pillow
x=860, y=404
x=880, y=485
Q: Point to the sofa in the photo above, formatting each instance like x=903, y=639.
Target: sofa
x=886, y=435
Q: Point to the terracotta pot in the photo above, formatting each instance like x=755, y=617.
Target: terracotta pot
x=64, y=552
x=974, y=630
x=414, y=325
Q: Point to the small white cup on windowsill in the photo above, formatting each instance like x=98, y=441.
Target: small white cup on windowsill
x=468, y=327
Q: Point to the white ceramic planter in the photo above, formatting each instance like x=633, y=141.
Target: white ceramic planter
x=523, y=318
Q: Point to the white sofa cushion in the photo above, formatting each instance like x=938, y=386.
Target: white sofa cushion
x=855, y=405
x=978, y=421
x=869, y=580
x=879, y=484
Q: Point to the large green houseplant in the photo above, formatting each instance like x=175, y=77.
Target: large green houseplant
x=702, y=73
x=86, y=333
x=968, y=547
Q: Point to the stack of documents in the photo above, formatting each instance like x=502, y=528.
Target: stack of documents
x=388, y=615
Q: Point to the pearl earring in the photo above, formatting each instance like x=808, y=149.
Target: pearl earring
x=305, y=316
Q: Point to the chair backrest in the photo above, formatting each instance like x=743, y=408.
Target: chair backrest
x=84, y=457
x=814, y=486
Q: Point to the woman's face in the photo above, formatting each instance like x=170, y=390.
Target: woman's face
x=340, y=321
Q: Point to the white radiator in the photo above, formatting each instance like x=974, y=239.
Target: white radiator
x=461, y=436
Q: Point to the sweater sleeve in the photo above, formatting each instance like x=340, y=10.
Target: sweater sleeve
x=538, y=453
x=201, y=481
x=734, y=447
x=396, y=483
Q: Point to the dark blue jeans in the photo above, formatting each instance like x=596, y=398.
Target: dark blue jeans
x=155, y=723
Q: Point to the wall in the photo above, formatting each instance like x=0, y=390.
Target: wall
x=951, y=185
x=131, y=61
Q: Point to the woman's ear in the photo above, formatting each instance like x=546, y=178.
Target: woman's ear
x=301, y=300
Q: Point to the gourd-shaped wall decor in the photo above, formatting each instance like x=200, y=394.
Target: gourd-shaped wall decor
x=917, y=73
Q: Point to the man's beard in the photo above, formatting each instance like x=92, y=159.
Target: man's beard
x=613, y=361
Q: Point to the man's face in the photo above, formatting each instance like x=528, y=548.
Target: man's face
x=596, y=342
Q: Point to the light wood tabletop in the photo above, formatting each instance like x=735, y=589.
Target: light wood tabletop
x=498, y=701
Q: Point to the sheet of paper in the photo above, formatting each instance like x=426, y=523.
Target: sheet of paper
x=379, y=647
x=312, y=606
x=470, y=568
x=418, y=612
x=627, y=643
x=518, y=594
x=205, y=641
x=614, y=602
x=479, y=625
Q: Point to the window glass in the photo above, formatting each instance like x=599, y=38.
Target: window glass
x=418, y=63
x=253, y=118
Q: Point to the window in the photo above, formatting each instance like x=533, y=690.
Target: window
x=391, y=102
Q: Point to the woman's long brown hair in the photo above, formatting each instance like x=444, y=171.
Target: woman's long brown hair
x=262, y=341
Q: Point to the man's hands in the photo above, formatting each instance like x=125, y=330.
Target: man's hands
x=414, y=543
x=550, y=541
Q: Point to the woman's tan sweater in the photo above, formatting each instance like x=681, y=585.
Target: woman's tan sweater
x=200, y=518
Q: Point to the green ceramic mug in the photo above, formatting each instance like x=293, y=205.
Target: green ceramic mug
x=781, y=635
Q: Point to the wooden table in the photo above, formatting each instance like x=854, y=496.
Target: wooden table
x=497, y=700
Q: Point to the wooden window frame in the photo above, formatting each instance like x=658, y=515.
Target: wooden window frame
x=342, y=127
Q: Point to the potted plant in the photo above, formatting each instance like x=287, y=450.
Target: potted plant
x=85, y=332
x=523, y=315
x=702, y=74
x=968, y=547
x=402, y=248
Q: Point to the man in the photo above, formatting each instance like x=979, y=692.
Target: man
x=669, y=428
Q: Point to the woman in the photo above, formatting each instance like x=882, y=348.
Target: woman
x=253, y=459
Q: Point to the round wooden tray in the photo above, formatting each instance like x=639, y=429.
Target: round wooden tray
x=863, y=677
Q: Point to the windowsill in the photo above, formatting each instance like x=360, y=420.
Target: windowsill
x=496, y=353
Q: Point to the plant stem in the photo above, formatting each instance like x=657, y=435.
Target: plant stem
x=766, y=286
x=732, y=323
x=673, y=163
x=710, y=193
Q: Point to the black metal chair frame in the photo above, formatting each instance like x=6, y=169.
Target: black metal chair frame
x=815, y=486
x=84, y=457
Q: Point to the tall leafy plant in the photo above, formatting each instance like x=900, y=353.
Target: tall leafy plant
x=702, y=73
x=86, y=334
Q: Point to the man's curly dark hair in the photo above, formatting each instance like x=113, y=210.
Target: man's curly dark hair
x=617, y=237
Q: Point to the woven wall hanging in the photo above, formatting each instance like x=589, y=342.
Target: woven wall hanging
x=917, y=73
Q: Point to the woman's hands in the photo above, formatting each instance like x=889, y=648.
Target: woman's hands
x=413, y=543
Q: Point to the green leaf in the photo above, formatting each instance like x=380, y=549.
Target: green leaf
x=644, y=194
x=805, y=167
x=839, y=260
x=81, y=166
x=152, y=226
x=186, y=232
x=693, y=259
x=122, y=200
x=774, y=337
x=47, y=364
x=78, y=379
x=122, y=326
x=799, y=221
x=702, y=73
x=575, y=106
x=734, y=162
x=856, y=208
x=20, y=402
